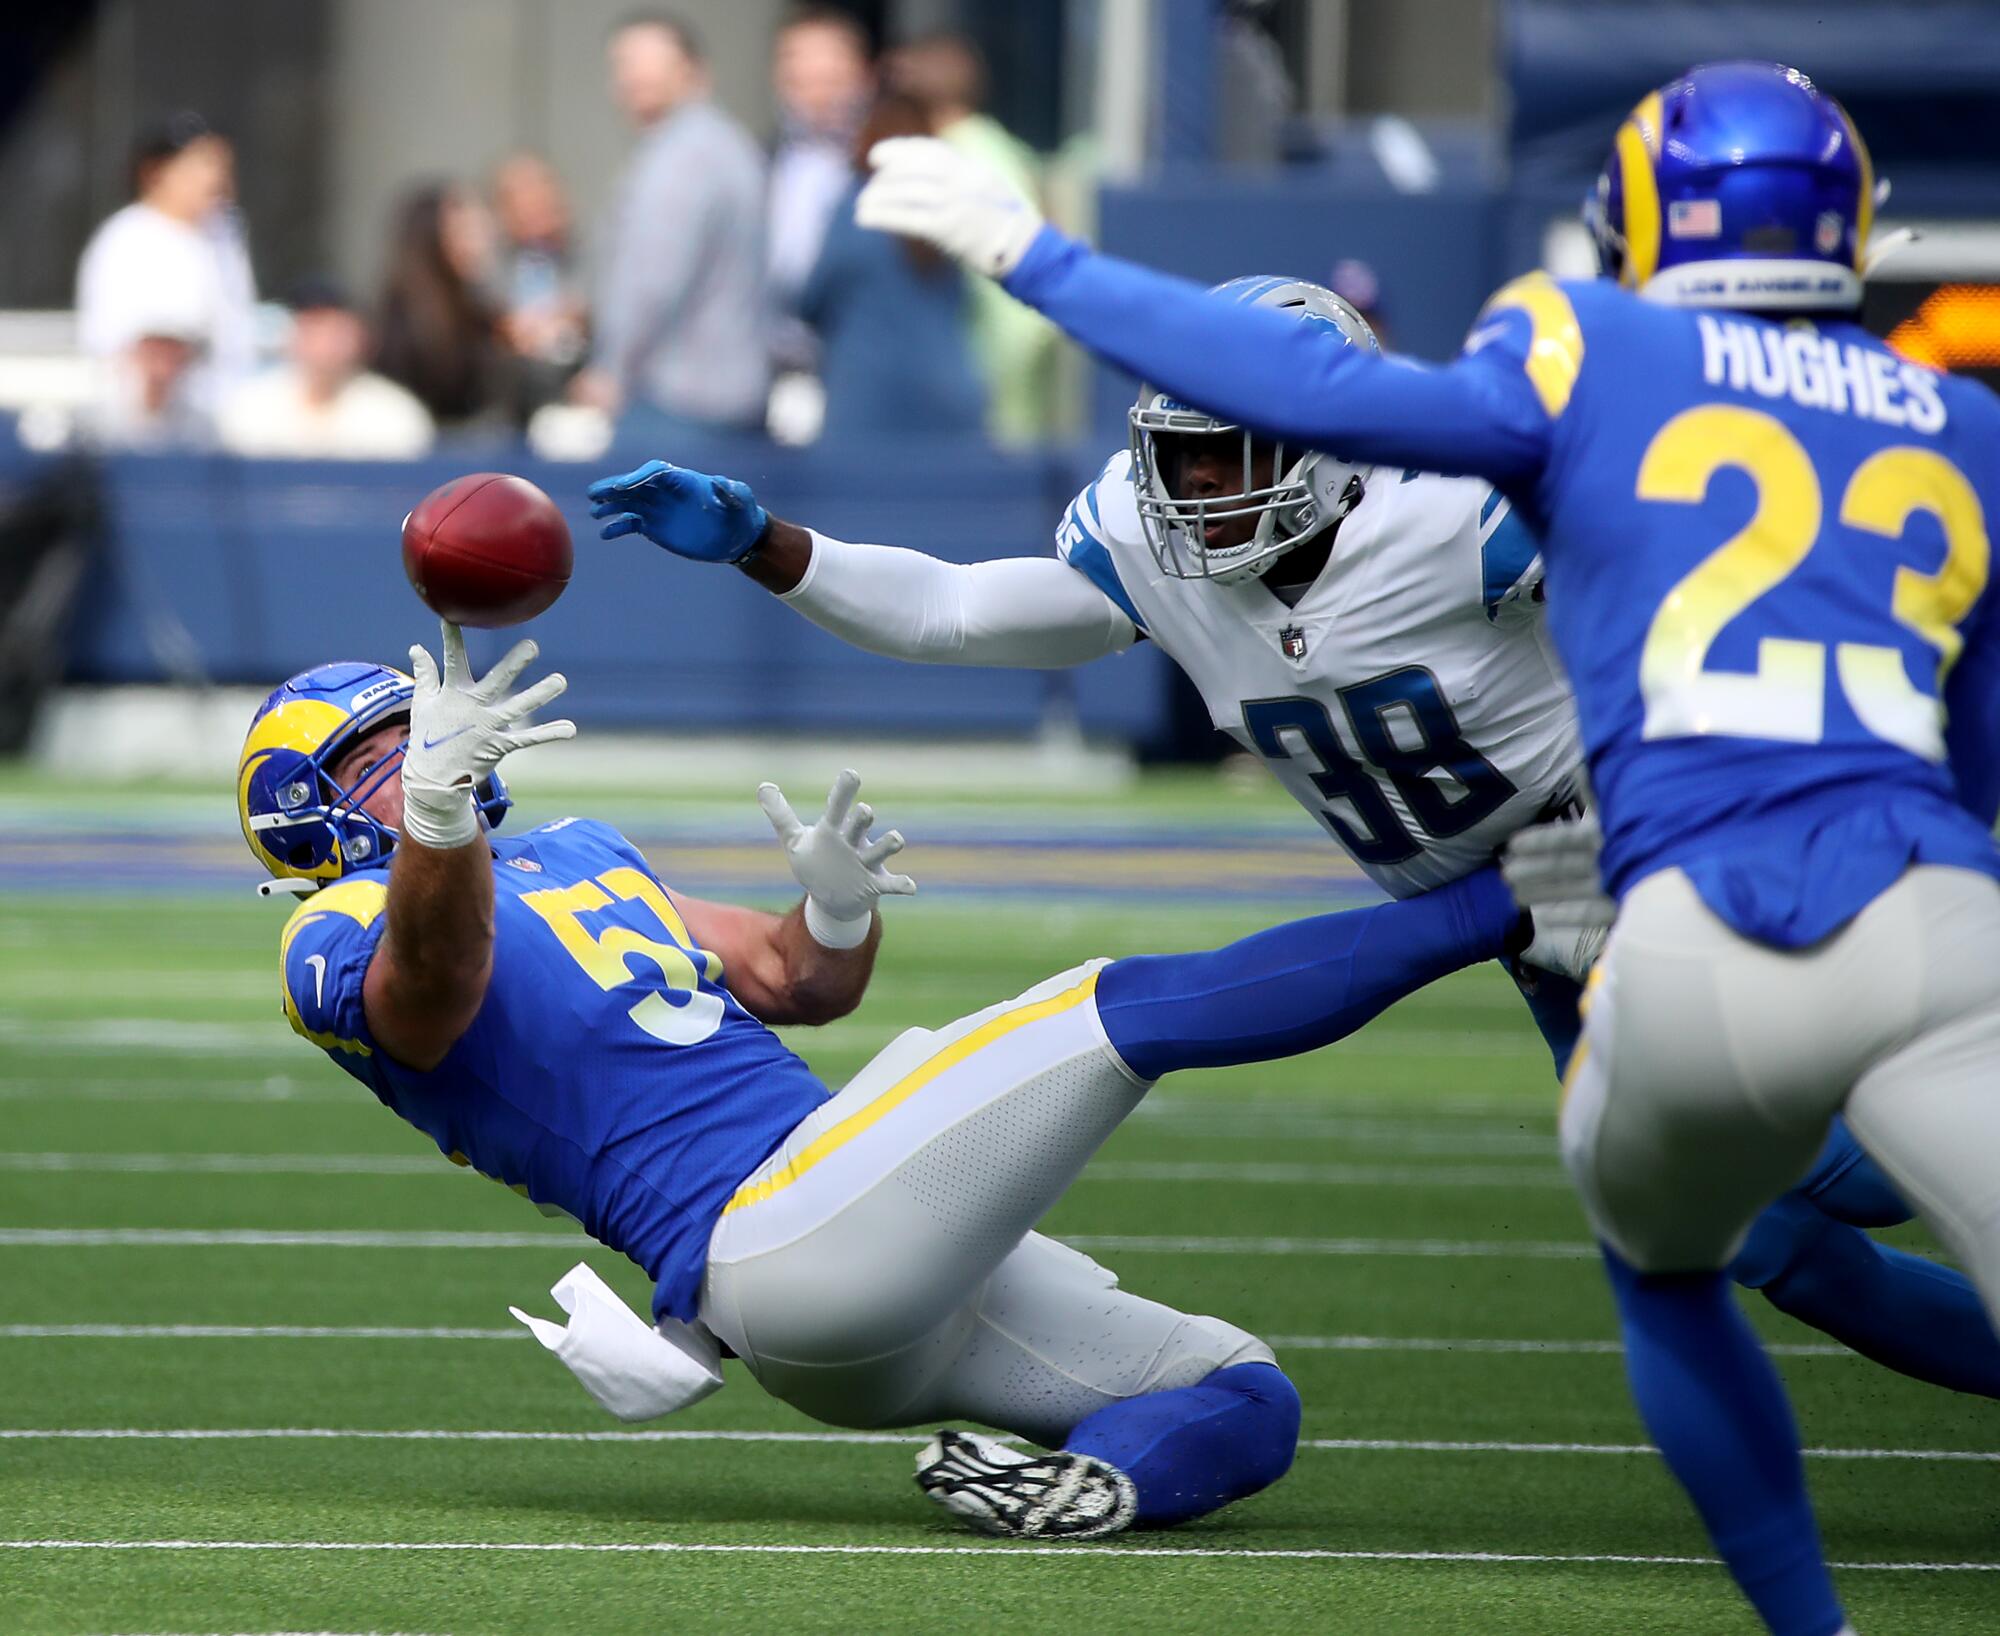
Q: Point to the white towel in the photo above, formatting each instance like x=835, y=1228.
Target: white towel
x=632, y=1369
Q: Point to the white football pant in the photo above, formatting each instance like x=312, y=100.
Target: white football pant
x=879, y=1268
x=1711, y=1066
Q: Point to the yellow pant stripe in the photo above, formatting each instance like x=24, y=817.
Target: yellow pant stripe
x=832, y=1140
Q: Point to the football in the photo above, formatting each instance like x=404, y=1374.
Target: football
x=487, y=549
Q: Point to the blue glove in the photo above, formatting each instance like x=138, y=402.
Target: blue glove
x=693, y=515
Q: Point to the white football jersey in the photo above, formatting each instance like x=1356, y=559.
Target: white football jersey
x=1412, y=701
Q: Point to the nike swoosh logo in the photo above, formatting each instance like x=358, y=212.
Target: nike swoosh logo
x=433, y=743
x=318, y=964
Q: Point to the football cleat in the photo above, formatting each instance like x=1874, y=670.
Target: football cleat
x=999, y=1490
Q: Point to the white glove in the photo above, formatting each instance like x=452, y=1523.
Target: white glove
x=840, y=868
x=926, y=189
x=459, y=730
x=1552, y=871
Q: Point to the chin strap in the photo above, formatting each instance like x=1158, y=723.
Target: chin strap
x=287, y=887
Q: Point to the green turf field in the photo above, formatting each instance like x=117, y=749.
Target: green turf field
x=206, y=1230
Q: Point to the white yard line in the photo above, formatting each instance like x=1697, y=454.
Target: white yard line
x=1076, y=1553
x=1325, y=1445
x=220, y=1088
x=1568, y=1349
x=1307, y=1175
x=156, y=1036
x=233, y=1164
x=1503, y=1250
x=1108, y=1170
x=253, y=1332
x=388, y=1332
x=1126, y=1243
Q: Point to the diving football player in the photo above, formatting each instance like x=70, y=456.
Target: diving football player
x=549, y=1012
x=1379, y=637
x=1768, y=569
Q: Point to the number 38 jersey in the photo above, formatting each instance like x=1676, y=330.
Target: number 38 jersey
x=608, y=1075
x=1411, y=701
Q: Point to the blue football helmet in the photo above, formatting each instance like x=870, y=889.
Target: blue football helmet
x=1741, y=184
x=1307, y=492
x=299, y=823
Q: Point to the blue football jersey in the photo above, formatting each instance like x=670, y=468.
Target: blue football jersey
x=609, y=1073
x=1766, y=548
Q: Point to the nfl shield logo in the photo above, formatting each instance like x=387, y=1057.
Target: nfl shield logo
x=528, y=864
x=1827, y=231
x=1292, y=641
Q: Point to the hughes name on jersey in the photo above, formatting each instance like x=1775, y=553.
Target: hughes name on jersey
x=1411, y=700
x=608, y=1075
x=1769, y=558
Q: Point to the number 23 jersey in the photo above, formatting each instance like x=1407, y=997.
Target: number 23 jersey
x=1411, y=701
x=1769, y=567
x=609, y=1073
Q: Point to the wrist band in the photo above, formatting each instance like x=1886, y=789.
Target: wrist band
x=831, y=932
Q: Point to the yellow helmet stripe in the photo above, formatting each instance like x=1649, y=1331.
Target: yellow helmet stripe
x=302, y=725
x=1864, y=209
x=1638, y=146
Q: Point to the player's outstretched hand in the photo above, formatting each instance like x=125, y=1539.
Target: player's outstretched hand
x=693, y=515
x=460, y=728
x=926, y=189
x=1552, y=871
x=839, y=867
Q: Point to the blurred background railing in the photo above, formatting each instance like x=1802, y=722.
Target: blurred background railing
x=276, y=270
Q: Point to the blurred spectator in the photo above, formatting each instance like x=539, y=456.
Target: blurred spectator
x=170, y=267
x=437, y=330
x=1360, y=286
x=1254, y=95
x=153, y=401
x=891, y=316
x=680, y=334
x=544, y=322
x=821, y=80
x=322, y=403
x=1015, y=346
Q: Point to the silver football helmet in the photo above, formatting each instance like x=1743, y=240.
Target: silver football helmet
x=1303, y=493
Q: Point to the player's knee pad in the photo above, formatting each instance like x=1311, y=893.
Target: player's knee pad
x=1271, y=1433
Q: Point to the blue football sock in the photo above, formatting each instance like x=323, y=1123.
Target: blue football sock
x=1851, y=1187
x=1197, y=1448
x=1299, y=986
x=1910, y=1314
x=1718, y=1412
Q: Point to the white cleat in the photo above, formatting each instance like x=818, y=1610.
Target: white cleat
x=999, y=1490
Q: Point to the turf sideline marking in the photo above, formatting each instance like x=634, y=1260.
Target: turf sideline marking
x=385, y=1332
x=1074, y=1552
x=1333, y=1445
x=1132, y=1244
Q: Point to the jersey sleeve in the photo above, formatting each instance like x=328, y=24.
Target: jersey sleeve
x=1510, y=561
x=327, y=946
x=1083, y=542
x=1480, y=416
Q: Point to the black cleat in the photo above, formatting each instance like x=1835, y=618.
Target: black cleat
x=1000, y=1490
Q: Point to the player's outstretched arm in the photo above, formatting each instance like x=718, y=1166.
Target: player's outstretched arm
x=1031, y=613
x=1303, y=985
x=430, y=970
x=813, y=964
x=1249, y=365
